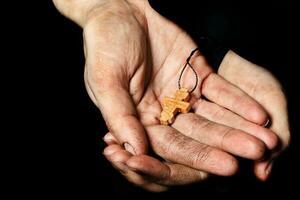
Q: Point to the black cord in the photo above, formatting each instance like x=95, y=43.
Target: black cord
x=183, y=69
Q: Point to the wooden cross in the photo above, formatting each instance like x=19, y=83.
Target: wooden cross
x=171, y=106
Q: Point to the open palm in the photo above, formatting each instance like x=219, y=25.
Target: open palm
x=133, y=59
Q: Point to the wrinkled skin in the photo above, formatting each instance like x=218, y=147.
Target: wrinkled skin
x=259, y=84
x=133, y=59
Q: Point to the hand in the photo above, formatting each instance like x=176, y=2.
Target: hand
x=133, y=59
x=259, y=84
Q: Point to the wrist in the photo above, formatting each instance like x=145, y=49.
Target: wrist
x=78, y=10
x=118, y=8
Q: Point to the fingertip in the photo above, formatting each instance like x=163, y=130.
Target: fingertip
x=258, y=115
x=247, y=146
x=259, y=173
x=111, y=149
x=109, y=139
x=256, y=149
x=267, y=136
x=225, y=164
x=262, y=170
x=231, y=167
x=271, y=140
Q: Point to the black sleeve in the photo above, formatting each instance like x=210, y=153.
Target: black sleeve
x=213, y=51
x=194, y=20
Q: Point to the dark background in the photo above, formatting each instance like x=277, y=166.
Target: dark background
x=63, y=149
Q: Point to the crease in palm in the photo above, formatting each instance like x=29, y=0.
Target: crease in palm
x=147, y=51
x=153, y=53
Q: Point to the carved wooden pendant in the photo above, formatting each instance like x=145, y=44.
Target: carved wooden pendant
x=171, y=106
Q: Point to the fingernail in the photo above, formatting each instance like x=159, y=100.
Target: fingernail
x=108, y=139
x=269, y=169
x=108, y=151
x=266, y=123
x=129, y=148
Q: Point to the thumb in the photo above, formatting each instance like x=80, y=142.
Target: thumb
x=263, y=169
x=119, y=112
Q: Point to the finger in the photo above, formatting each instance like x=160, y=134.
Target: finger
x=222, y=137
x=161, y=173
x=169, y=174
x=268, y=92
x=109, y=139
x=276, y=105
x=118, y=157
x=218, y=114
x=280, y=125
x=223, y=93
x=119, y=113
x=263, y=169
x=172, y=145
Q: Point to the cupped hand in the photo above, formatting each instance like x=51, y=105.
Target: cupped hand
x=261, y=85
x=133, y=59
x=258, y=83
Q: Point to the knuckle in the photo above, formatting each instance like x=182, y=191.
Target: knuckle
x=104, y=82
x=201, y=156
x=113, y=125
x=239, y=100
x=195, y=124
x=207, y=83
x=226, y=136
x=218, y=114
x=198, y=123
x=194, y=121
x=175, y=141
x=102, y=75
